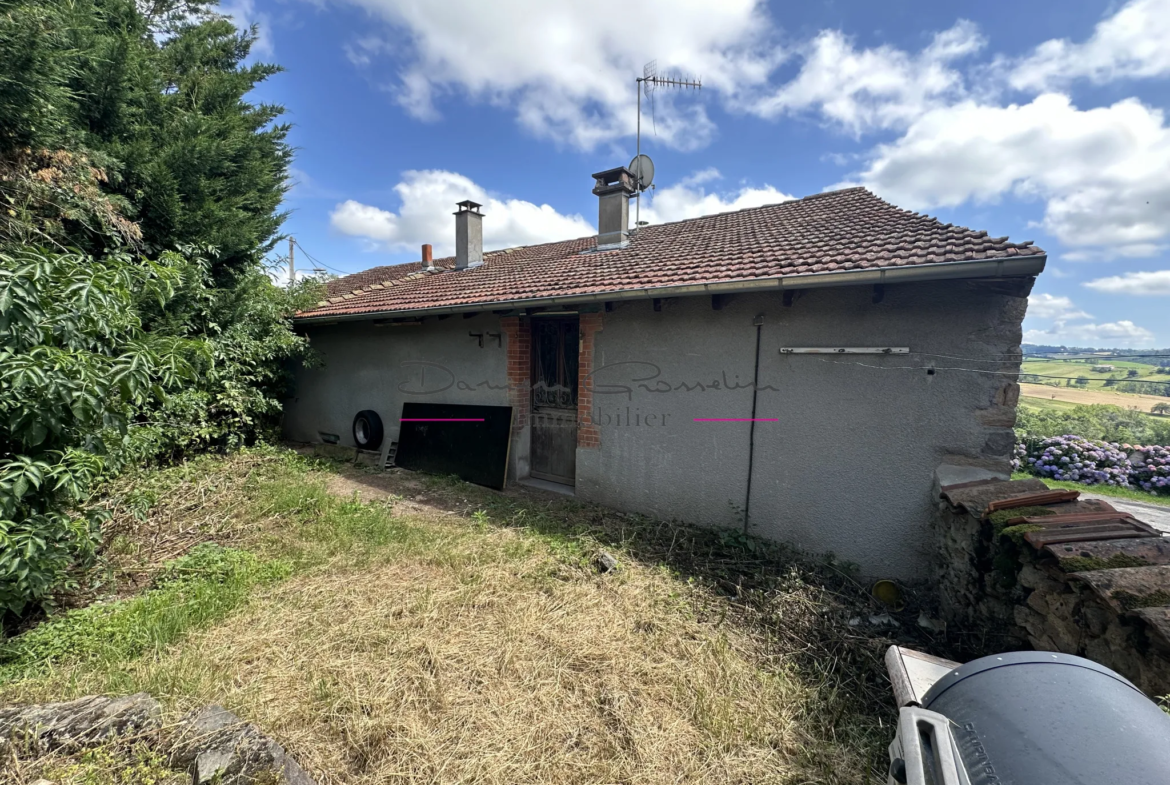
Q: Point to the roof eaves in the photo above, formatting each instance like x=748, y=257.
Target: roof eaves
x=1009, y=266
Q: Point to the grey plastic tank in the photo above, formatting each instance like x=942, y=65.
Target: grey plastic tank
x=1032, y=718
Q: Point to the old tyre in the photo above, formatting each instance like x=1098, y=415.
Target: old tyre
x=367, y=430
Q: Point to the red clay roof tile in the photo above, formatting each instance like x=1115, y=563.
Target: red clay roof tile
x=839, y=230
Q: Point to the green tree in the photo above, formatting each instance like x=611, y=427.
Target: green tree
x=139, y=193
x=1161, y=408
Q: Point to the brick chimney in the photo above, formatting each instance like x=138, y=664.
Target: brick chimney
x=468, y=235
x=428, y=263
x=613, y=189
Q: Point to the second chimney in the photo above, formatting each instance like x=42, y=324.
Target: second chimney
x=428, y=264
x=468, y=235
x=613, y=189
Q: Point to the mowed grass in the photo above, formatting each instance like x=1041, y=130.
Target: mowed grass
x=468, y=637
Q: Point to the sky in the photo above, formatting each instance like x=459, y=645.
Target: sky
x=1043, y=121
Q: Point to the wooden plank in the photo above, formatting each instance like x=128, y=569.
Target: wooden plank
x=443, y=438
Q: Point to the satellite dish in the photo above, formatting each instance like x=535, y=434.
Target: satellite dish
x=643, y=169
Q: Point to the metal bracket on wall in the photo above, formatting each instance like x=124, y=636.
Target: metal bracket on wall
x=848, y=350
x=480, y=337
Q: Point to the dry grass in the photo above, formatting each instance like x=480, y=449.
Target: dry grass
x=1079, y=395
x=478, y=644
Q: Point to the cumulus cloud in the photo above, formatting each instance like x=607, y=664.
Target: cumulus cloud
x=1101, y=172
x=1130, y=44
x=690, y=199
x=1155, y=283
x=878, y=88
x=566, y=69
x=1047, y=306
x=1121, y=334
x=243, y=14
x=427, y=201
x=1071, y=326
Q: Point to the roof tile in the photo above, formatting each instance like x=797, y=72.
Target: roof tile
x=849, y=229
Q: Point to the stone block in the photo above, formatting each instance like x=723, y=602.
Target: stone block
x=1037, y=601
x=1032, y=577
x=218, y=747
x=85, y=722
x=1096, y=619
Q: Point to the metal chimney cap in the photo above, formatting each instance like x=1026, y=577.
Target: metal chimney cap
x=468, y=206
x=611, y=176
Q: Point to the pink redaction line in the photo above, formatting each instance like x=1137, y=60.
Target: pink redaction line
x=440, y=419
x=737, y=419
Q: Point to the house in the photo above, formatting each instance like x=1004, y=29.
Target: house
x=801, y=369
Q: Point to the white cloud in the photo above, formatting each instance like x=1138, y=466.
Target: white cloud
x=1154, y=283
x=689, y=199
x=1120, y=334
x=243, y=14
x=883, y=87
x=1047, y=306
x=1070, y=326
x=425, y=216
x=567, y=69
x=1130, y=44
x=1101, y=172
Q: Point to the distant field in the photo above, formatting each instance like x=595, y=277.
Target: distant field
x=1045, y=404
x=1121, y=368
x=1042, y=396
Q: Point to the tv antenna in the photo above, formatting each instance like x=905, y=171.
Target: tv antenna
x=642, y=167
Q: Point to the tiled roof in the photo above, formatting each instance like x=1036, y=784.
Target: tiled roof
x=842, y=230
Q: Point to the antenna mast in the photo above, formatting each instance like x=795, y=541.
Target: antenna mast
x=650, y=81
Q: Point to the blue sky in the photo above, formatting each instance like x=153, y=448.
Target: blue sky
x=1041, y=121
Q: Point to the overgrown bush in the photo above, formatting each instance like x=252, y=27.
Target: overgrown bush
x=75, y=367
x=1076, y=459
x=140, y=193
x=1096, y=421
x=1090, y=462
x=1151, y=470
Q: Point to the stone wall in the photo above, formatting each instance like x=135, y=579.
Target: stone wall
x=1029, y=568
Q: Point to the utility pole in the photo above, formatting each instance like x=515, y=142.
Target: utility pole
x=292, y=265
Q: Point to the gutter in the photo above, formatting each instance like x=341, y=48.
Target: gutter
x=939, y=271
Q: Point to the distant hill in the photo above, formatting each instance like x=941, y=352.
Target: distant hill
x=1160, y=357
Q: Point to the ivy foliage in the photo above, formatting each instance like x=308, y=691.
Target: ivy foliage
x=140, y=191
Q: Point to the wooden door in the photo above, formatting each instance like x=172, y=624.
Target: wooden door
x=554, y=399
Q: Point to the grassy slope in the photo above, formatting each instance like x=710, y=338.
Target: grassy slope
x=1045, y=404
x=473, y=640
x=1146, y=373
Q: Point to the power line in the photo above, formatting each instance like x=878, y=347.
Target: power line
x=317, y=261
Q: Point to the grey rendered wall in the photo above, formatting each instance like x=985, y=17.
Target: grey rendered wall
x=848, y=467
x=380, y=368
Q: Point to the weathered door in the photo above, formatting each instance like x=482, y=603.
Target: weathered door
x=554, y=399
